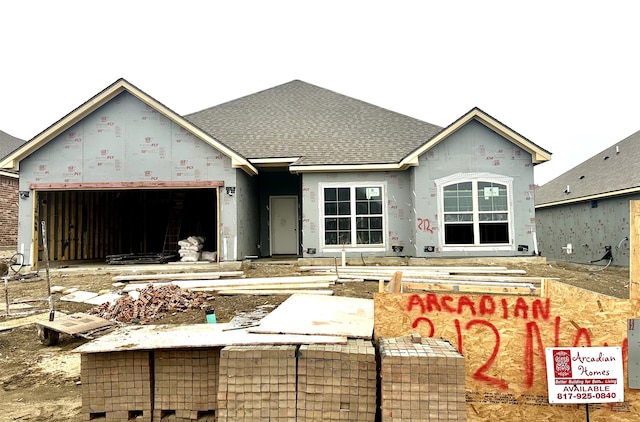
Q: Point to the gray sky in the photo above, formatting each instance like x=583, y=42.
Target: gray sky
x=564, y=74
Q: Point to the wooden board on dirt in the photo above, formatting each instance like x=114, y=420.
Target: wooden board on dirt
x=269, y=292
x=211, y=275
x=177, y=336
x=75, y=323
x=320, y=315
x=15, y=307
x=102, y=299
x=79, y=296
x=10, y=324
x=204, y=284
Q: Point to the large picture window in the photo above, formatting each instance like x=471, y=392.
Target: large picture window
x=476, y=212
x=353, y=215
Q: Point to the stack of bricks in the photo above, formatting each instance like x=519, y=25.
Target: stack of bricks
x=422, y=379
x=337, y=382
x=257, y=383
x=116, y=386
x=186, y=385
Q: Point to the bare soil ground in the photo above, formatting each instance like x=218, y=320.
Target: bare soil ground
x=42, y=383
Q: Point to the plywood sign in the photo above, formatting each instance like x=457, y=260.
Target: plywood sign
x=503, y=339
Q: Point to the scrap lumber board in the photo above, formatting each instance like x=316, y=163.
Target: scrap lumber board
x=475, y=288
x=10, y=324
x=179, y=276
x=100, y=299
x=228, y=283
x=411, y=270
x=320, y=315
x=399, y=268
x=14, y=306
x=466, y=277
x=180, y=336
x=78, y=296
x=314, y=285
x=268, y=292
x=204, y=285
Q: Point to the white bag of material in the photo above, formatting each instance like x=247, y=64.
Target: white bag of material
x=191, y=257
x=196, y=240
x=209, y=256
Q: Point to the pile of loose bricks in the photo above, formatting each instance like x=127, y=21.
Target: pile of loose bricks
x=408, y=379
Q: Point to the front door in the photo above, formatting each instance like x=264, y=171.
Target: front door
x=283, y=225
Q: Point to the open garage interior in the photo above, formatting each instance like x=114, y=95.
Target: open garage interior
x=92, y=224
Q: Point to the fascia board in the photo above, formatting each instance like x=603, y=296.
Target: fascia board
x=590, y=198
x=336, y=168
x=9, y=174
x=538, y=154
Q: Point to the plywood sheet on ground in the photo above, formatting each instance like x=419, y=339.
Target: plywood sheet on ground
x=151, y=337
x=78, y=296
x=75, y=323
x=503, y=340
x=10, y=324
x=320, y=315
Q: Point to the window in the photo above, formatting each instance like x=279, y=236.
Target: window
x=353, y=215
x=475, y=212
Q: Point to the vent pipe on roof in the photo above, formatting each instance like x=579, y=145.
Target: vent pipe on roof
x=617, y=149
x=567, y=190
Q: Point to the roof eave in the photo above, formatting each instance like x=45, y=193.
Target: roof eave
x=590, y=197
x=11, y=174
x=339, y=168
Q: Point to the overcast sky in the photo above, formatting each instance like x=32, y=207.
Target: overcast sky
x=564, y=74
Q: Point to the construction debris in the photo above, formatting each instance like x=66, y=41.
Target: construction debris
x=153, y=303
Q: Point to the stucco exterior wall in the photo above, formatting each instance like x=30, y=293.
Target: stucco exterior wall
x=397, y=203
x=247, y=221
x=124, y=141
x=589, y=227
x=474, y=149
x=8, y=211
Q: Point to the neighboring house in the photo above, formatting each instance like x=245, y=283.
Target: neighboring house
x=293, y=170
x=583, y=215
x=8, y=194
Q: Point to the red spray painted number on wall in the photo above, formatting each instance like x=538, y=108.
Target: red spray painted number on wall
x=424, y=224
x=534, y=313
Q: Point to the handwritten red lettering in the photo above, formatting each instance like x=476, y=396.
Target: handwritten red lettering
x=424, y=224
x=481, y=374
x=582, y=332
x=428, y=321
x=529, y=361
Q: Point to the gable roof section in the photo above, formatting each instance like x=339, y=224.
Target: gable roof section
x=612, y=172
x=538, y=154
x=12, y=161
x=314, y=129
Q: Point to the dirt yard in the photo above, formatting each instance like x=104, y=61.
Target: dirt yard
x=42, y=383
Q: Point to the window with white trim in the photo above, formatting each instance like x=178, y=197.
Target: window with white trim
x=353, y=215
x=476, y=212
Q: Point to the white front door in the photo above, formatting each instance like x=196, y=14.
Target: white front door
x=283, y=225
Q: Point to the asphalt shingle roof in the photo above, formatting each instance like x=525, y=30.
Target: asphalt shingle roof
x=8, y=143
x=614, y=169
x=320, y=126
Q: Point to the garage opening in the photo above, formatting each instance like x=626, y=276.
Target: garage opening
x=92, y=224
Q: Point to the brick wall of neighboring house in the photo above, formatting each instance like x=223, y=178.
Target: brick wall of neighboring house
x=8, y=211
